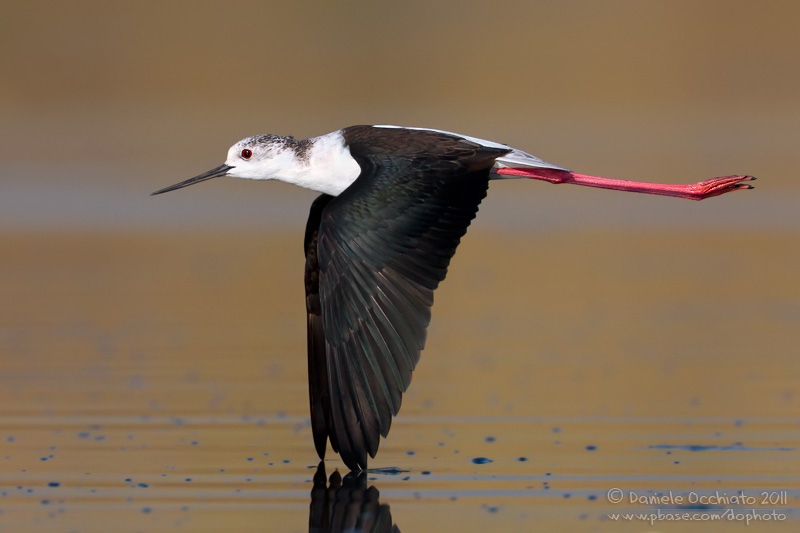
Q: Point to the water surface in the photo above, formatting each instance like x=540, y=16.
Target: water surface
x=158, y=382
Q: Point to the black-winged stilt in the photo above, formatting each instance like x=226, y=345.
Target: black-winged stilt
x=395, y=203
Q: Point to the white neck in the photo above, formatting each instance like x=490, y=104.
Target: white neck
x=326, y=167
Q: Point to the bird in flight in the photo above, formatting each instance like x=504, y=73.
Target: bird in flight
x=395, y=203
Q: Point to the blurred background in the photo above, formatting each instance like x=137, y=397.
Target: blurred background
x=162, y=339
x=102, y=102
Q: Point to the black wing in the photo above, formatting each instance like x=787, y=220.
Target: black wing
x=317, y=367
x=382, y=248
x=340, y=505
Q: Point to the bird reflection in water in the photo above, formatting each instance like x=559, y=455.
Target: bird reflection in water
x=339, y=505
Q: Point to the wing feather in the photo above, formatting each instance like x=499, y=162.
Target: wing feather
x=319, y=394
x=382, y=248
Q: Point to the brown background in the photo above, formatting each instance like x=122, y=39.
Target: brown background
x=132, y=327
x=663, y=89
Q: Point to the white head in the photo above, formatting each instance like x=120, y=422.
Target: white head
x=260, y=157
x=323, y=163
x=264, y=157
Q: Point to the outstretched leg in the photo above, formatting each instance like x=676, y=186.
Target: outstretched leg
x=695, y=191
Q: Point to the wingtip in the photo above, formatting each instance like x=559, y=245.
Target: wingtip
x=352, y=463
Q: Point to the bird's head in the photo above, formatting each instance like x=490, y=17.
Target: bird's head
x=261, y=157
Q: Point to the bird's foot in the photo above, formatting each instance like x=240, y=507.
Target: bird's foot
x=721, y=185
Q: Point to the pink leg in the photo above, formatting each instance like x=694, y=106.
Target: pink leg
x=695, y=191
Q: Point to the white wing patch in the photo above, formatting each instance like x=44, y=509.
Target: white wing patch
x=518, y=158
x=514, y=159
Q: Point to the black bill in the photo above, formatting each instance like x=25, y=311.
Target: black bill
x=213, y=173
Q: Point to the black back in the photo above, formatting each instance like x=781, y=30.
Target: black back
x=374, y=256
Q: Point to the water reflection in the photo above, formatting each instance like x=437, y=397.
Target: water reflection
x=347, y=504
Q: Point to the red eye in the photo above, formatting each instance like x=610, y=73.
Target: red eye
x=246, y=154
